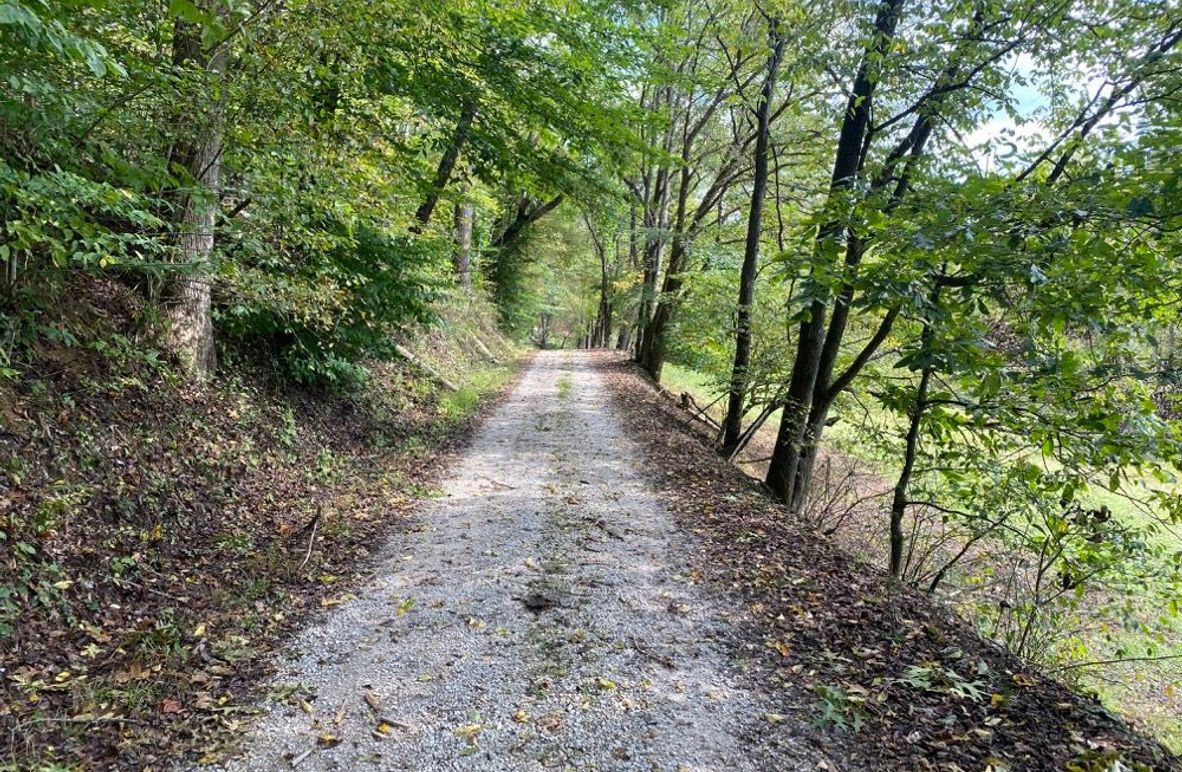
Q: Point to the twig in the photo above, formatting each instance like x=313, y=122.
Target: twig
x=1093, y=663
x=121, y=581
x=311, y=541
x=663, y=660
x=300, y=758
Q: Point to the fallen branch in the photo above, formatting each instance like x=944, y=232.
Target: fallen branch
x=688, y=403
x=484, y=350
x=311, y=541
x=426, y=368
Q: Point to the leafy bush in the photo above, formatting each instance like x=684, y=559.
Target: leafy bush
x=324, y=317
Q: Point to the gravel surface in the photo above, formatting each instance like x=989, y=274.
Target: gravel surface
x=537, y=617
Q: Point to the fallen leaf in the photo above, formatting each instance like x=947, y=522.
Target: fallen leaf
x=469, y=732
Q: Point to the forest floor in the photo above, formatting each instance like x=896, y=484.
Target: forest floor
x=596, y=589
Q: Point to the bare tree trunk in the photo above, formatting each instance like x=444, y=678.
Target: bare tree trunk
x=187, y=301
x=732, y=428
x=463, y=254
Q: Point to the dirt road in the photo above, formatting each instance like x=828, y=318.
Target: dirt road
x=536, y=617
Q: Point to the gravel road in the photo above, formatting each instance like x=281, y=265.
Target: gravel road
x=535, y=617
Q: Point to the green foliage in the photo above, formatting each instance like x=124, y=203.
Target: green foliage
x=841, y=708
x=336, y=308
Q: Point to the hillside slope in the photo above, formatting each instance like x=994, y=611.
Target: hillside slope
x=157, y=539
x=895, y=679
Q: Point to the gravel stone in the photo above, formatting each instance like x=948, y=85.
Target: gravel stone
x=536, y=618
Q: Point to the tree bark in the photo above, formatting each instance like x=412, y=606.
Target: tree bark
x=657, y=333
x=189, y=333
x=732, y=426
x=528, y=212
x=899, y=495
x=463, y=254
x=656, y=223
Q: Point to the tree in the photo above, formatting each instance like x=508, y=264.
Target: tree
x=198, y=50
x=731, y=429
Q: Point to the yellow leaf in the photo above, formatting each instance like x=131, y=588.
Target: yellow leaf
x=605, y=683
x=1022, y=679
x=775, y=718
x=64, y=584
x=521, y=717
x=199, y=631
x=469, y=731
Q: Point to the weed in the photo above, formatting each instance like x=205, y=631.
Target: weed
x=934, y=677
x=841, y=708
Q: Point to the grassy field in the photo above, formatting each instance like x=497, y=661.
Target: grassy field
x=1148, y=690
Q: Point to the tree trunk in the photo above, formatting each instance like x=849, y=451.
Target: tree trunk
x=447, y=164
x=656, y=223
x=899, y=496
x=463, y=253
x=654, y=243
x=654, y=343
x=187, y=301
x=624, y=342
x=783, y=473
x=528, y=212
x=658, y=329
x=732, y=426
